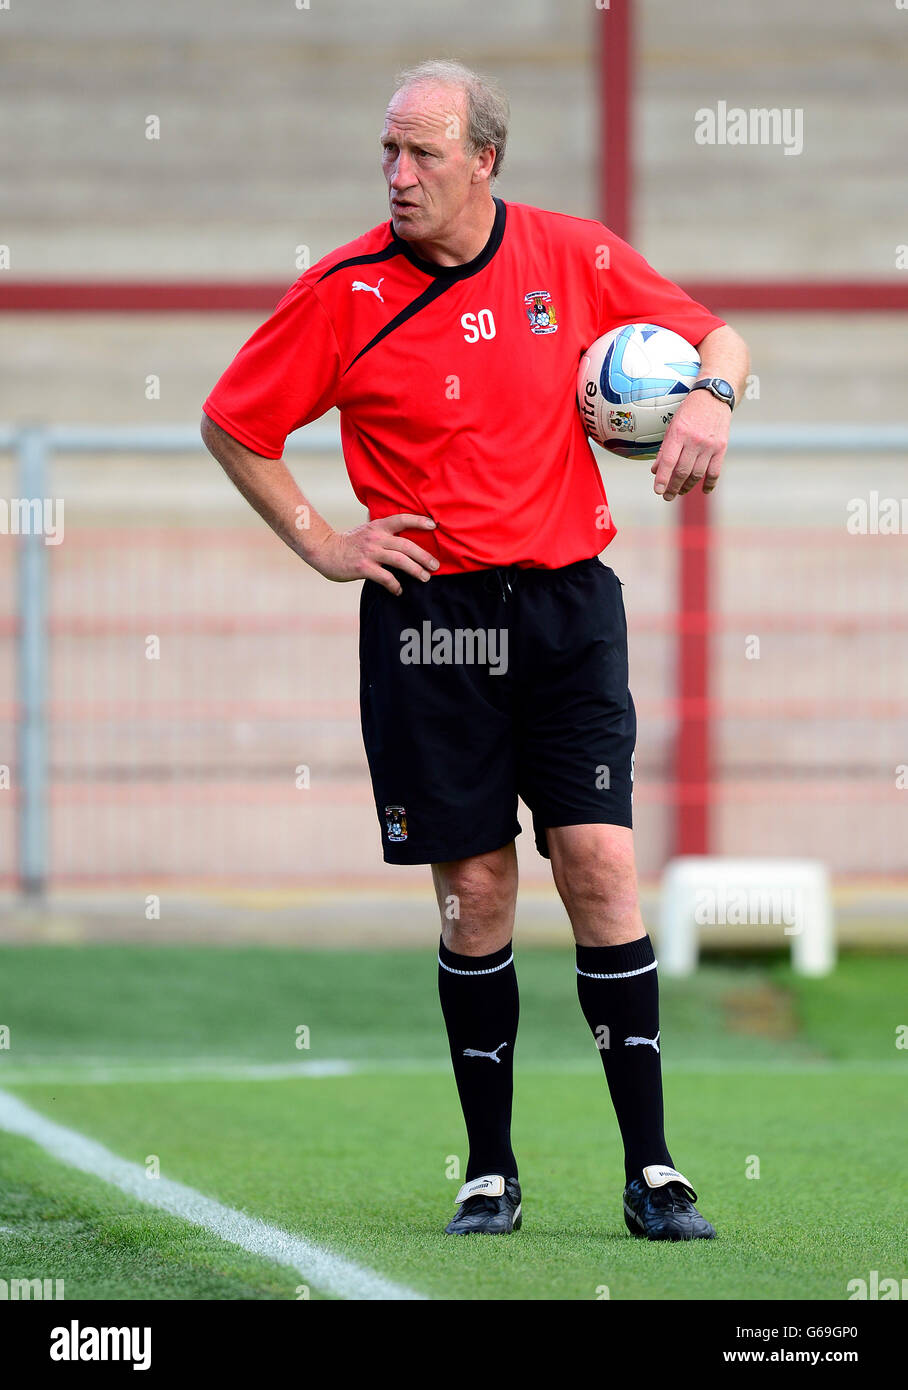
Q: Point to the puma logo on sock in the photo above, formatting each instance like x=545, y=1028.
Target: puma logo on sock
x=474, y=1052
x=638, y=1042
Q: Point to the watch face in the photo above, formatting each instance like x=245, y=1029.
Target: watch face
x=717, y=387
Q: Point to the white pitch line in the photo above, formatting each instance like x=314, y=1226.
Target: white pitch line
x=90, y=1071
x=96, y=1072
x=320, y=1267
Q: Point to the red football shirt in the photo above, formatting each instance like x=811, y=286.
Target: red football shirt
x=456, y=384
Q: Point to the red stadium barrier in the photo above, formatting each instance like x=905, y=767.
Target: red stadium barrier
x=233, y=297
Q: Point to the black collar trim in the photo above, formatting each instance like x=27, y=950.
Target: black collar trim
x=384, y=254
x=458, y=272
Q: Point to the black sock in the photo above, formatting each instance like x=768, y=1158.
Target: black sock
x=619, y=995
x=479, y=1001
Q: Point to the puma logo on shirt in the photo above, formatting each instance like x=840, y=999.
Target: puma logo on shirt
x=373, y=289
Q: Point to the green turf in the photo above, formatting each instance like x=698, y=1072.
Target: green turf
x=801, y=1075
x=158, y=1005
x=857, y=1011
x=56, y=1223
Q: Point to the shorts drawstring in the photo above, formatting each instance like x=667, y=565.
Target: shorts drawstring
x=503, y=575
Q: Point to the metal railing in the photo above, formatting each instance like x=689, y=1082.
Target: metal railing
x=35, y=446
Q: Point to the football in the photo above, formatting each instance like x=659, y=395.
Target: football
x=630, y=383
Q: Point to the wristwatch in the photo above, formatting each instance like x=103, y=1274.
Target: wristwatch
x=722, y=390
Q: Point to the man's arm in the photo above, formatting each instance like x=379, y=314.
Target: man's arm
x=696, y=440
x=269, y=486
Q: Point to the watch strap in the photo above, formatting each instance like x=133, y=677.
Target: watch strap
x=707, y=383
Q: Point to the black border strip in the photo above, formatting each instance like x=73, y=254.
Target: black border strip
x=384, y=254
x=430, y=293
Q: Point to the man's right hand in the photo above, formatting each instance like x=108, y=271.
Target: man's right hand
x=364, y=552
x=269, y=486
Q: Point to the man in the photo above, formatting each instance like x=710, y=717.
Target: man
x=492, y=638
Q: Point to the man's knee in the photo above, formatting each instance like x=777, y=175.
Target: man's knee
x=596, y=876
x=476, y=900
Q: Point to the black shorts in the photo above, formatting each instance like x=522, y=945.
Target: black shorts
x=476, y=688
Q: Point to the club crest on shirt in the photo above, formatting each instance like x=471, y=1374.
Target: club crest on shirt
x=540, y=311
x=396, y=823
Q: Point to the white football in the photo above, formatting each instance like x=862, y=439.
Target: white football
x=630, y=383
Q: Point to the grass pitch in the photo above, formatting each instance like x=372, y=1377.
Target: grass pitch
x=190, y=1056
